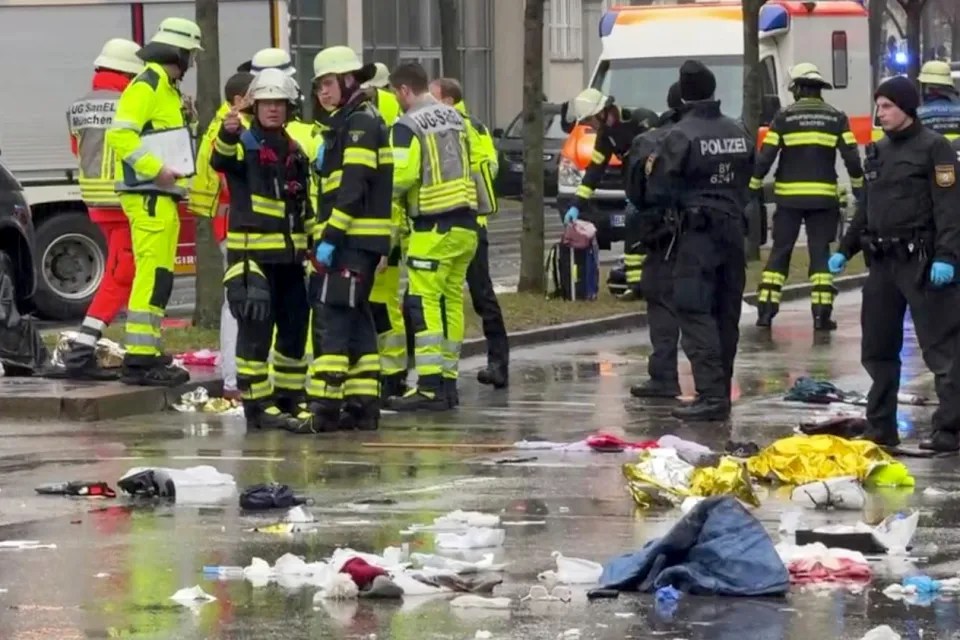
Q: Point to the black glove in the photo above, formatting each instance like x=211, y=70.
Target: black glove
x=248, y=293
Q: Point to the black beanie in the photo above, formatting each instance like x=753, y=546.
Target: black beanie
x=674, y=101
x=697, y=82
x=901, y=91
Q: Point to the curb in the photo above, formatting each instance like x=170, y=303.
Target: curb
x=628, y=321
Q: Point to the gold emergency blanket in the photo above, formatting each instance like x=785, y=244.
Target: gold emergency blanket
x=801, y=459
x=108, y=353
x=660, y=478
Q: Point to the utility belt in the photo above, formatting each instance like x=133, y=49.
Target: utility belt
x=900, y=248
x=443, y=222
x=702, y=218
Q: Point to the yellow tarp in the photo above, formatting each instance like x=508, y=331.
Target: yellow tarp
x=729, y=477
x=802, y=459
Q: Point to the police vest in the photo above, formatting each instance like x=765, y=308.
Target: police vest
x=942, y=116
x=88, y=120
x=446, y=181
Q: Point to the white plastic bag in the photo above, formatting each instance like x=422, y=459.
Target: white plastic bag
x=572, y=570
x=837, y=493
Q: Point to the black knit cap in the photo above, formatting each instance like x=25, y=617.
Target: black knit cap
x=697, y=82
x=674, y=101
x=902, y=92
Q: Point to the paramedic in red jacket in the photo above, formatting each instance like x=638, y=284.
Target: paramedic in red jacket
x=88, y=119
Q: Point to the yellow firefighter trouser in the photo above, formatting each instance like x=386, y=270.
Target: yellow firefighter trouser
x=155, y=230
x=437, y=271
x=386, y=301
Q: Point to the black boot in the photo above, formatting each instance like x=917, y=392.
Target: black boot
x=393, y=386
x=155, y=374
x=289, y=402
x=704, y=409
x=765, y=314
x=884, y=437
x=360, y=416
x=655, y=389
x=300, y=419
x=821, y=318
x=421, y=400
x=495, y=375
x=326, y=419
x=452, y=393
x=941, y=442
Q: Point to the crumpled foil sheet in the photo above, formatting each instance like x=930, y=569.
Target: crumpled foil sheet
x=199, y=401
x=109, y=353
x=661, y=479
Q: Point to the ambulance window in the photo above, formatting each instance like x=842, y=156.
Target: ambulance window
x=839, y=40
x=769, y=76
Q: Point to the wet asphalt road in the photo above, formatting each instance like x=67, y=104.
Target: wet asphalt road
x=559, y=392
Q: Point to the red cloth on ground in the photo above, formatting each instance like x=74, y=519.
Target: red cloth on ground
x=807, y=570
x=361, y=571
x=114, y=291
x=608, y=442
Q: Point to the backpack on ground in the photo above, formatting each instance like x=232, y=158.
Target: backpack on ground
x=573, y=264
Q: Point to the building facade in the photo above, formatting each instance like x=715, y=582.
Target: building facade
x=391, y=31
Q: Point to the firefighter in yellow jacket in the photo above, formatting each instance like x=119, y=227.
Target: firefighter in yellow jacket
x=267, y=173
x=356, y=178
x=433, y=179
x=149, y=192
x=483, y=164
x=385, y=102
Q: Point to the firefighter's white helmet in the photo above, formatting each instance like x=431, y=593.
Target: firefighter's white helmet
x=936, y=72
x=589, y=102
x=381, y=78
x=274, y=84
x=340, y=60
x=807, y=73
x=180, y=33
x=272, y=58
x=119, y=54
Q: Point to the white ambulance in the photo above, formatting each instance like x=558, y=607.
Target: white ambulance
x=643, y=48
x=47, y=51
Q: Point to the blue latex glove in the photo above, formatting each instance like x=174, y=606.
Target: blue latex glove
x=318, y=162
x=925, y=585
x=837, y=263
x=941, y=273
x=324, y=253
x=572, y=214
x=666, y=601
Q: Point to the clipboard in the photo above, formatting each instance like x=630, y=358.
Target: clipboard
x=174, y=147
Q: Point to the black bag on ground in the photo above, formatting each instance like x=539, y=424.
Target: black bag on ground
x=261, y=497
x=574, y=274
x=22, y=351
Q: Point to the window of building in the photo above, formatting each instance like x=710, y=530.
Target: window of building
x=566, y=40
x=306, y=41
x=839, y=59
x=401, y=30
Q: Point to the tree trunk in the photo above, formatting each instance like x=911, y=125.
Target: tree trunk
x=450, y=38
x=531, y=242
x=877, y=50
x=209, y=280
x=955, y=34
x=752, y=99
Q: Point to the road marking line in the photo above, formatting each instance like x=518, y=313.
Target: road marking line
x=230, y=458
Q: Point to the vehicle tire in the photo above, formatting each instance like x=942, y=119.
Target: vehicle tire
x=71, y=257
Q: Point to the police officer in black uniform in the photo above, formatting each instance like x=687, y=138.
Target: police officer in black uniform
x=908, y=227
x=702, y=170
x=651, y=232
x=806, y=136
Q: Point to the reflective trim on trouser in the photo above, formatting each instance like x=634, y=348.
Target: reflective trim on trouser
x=90, y=331
x=327, y=376
x=154, y=230
x=771, y=287
x=633, y=267
x=437, y=271
x=289, y=374
x=386, y=302
x=253, y=379
x=823, y=291
x=363, y=379
x=451, y=359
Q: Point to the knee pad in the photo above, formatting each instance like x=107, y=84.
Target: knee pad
x=413, y=312
x=162, y=288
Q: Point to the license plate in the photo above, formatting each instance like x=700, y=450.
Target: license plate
x=618, y=220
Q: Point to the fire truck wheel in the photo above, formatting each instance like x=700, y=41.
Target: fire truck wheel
x=71, y=255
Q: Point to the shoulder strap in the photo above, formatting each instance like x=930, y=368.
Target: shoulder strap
x=249, y=141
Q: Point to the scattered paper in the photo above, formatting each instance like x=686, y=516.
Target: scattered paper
x=192, y=596
x=479, y=602
x=25, y=545
x=473, y=538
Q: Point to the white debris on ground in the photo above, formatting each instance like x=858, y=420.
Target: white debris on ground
x=192, y=596
x=572, y=570
x=109, y=354
x=199, y=401
x=24, y=545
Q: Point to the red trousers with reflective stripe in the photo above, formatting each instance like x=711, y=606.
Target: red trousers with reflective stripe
x=114, y=291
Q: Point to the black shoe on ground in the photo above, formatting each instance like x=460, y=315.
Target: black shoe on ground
x=765, y=319
x=880, y=437
x=393, y=386
x=494, y=375
x=653, y=389
x=941, y=442
x=299, y=420
x=420, y=400
x=325, y=420
x=272, y=418
x=824, y=324
x=154, y=376
x=704, y=409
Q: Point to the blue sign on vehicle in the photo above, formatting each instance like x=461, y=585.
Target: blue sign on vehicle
x=618, y=220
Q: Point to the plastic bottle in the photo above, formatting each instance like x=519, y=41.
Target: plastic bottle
x=222, y=572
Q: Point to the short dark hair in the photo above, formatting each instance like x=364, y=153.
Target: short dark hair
x=237, y=85
x=450, y=88
x=410, y=74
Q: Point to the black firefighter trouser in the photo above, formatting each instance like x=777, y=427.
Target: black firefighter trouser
x=346, y=368
x=709, y=277
x=486, y=305
x=821, y=227
x=289, y=316
x=657, y=288
x=892, y=286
